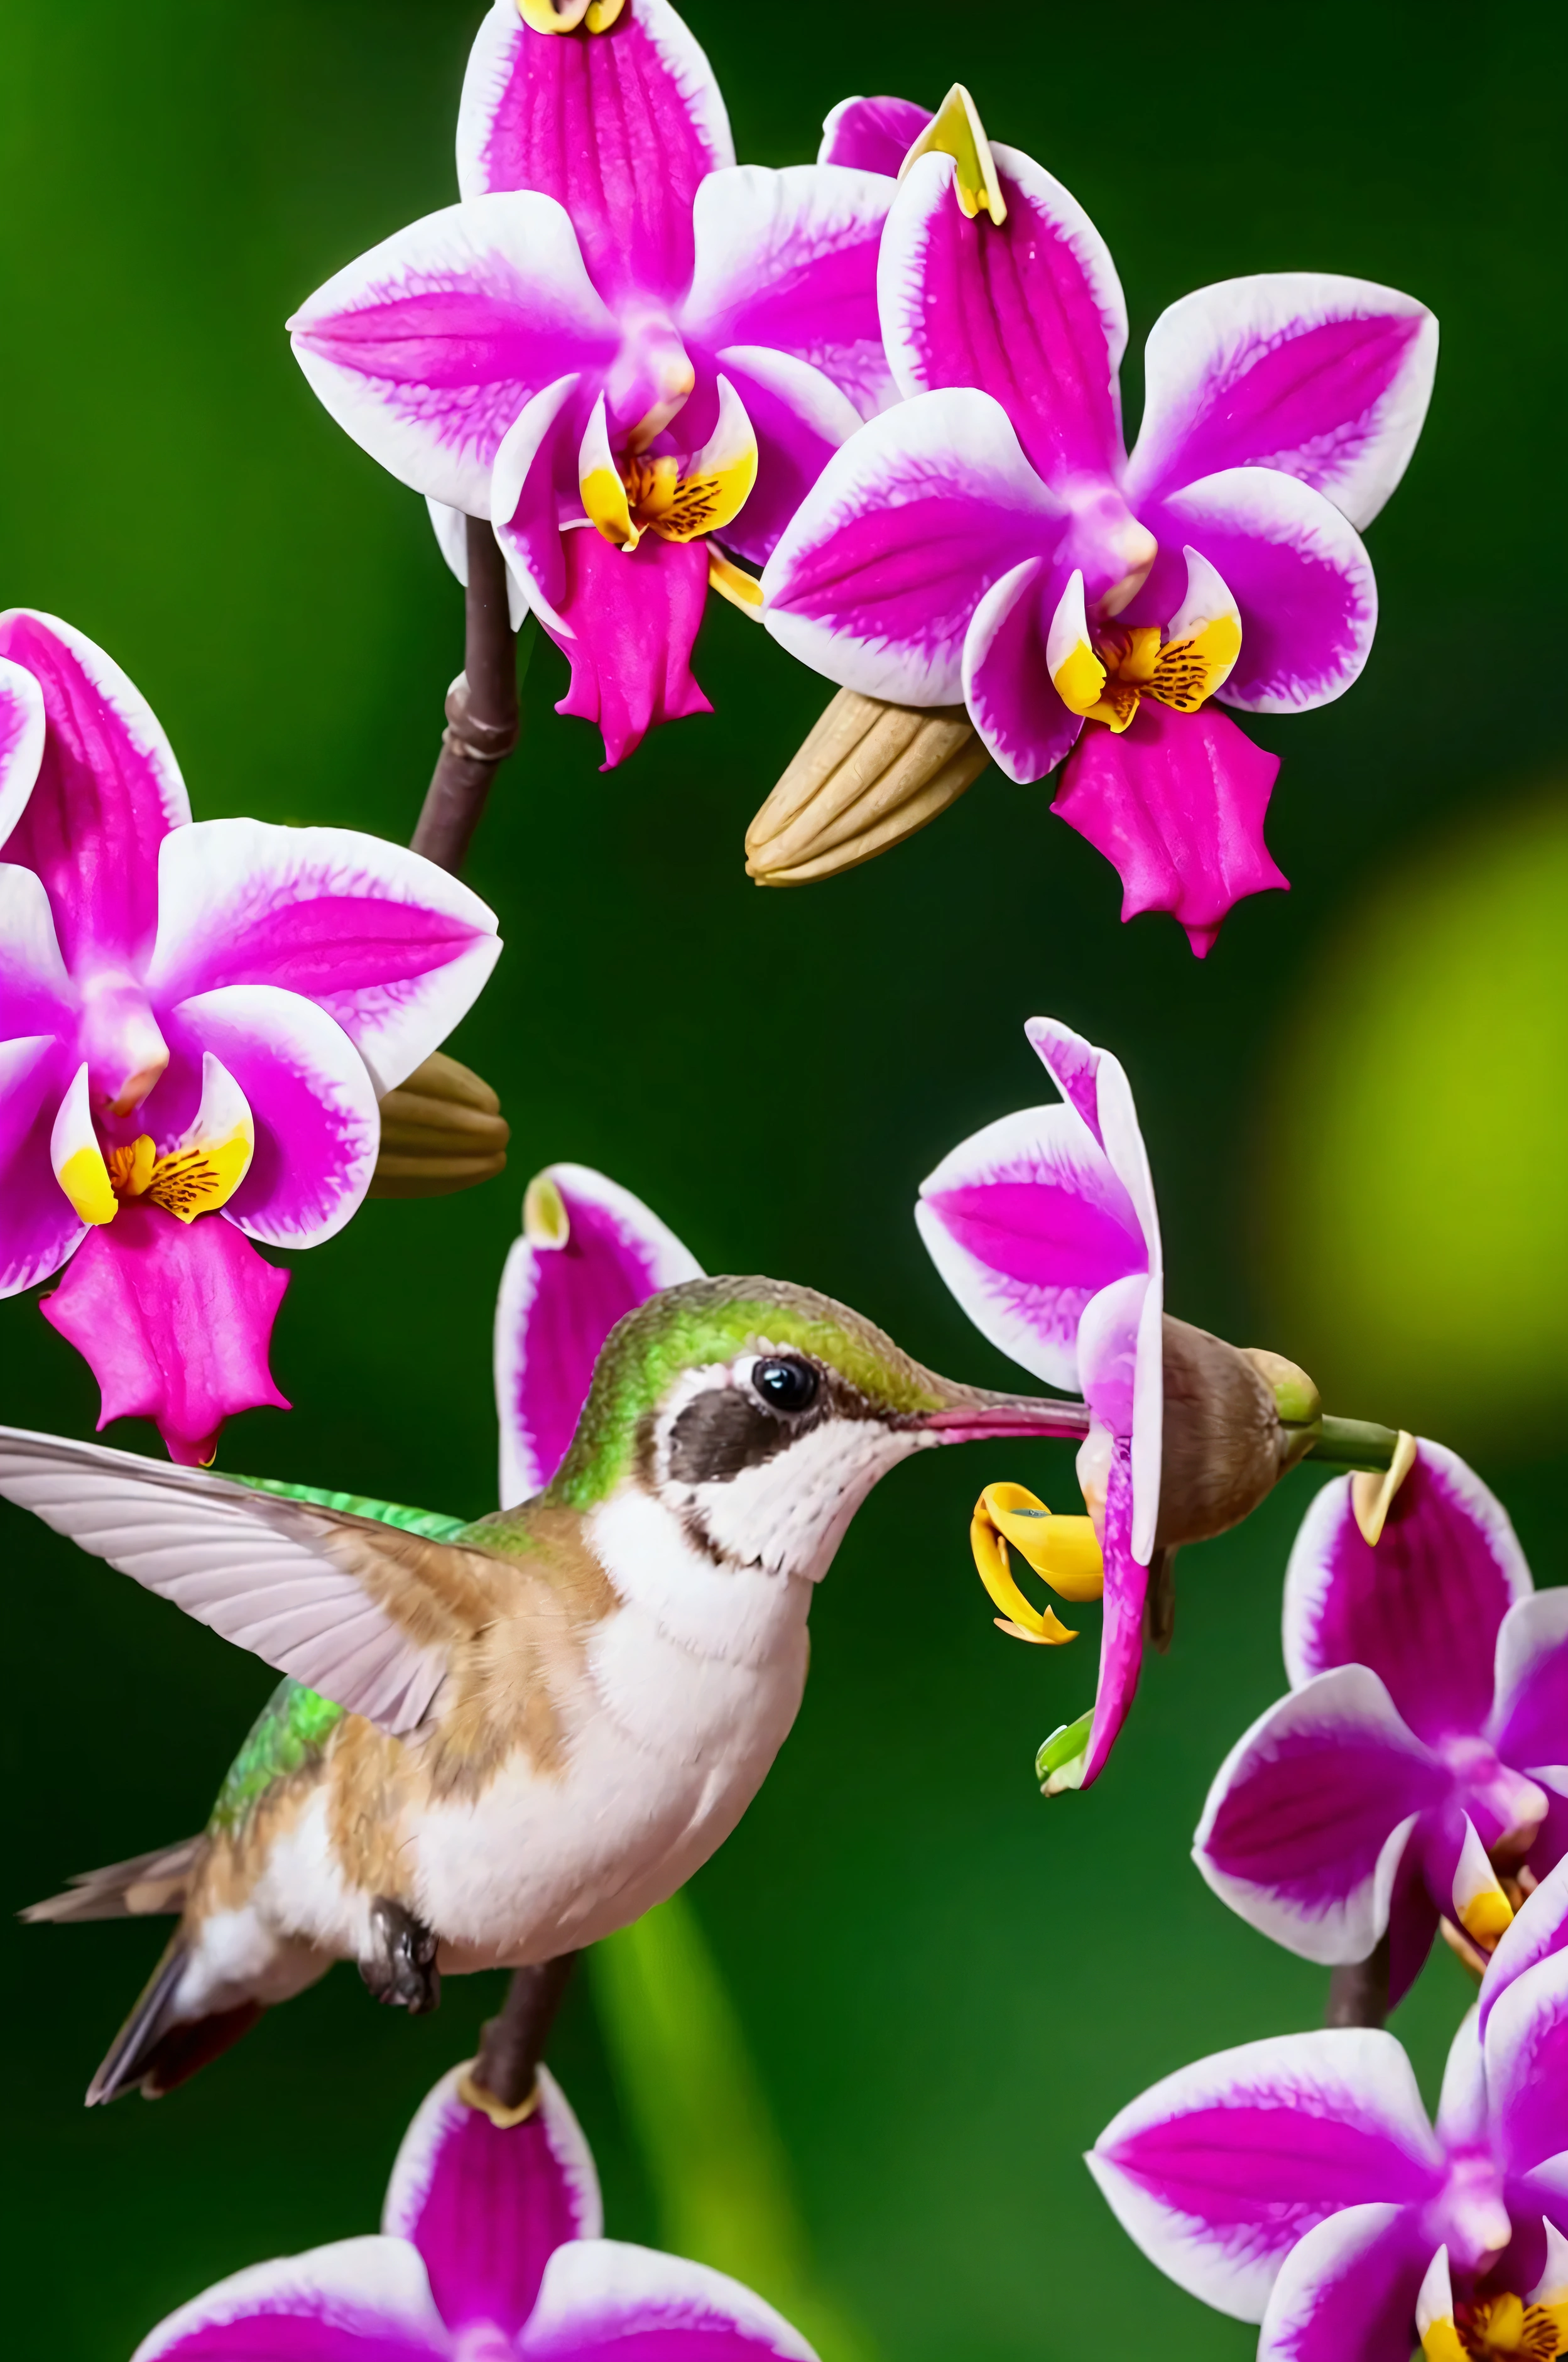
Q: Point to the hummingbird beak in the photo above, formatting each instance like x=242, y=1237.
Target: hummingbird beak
x=975, y=1414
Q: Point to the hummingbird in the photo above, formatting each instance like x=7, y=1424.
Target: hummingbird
x=499, y=1740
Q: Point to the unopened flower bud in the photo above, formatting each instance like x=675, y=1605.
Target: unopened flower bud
x=1227, y=1437
x=869, y=775
x=441, y=1130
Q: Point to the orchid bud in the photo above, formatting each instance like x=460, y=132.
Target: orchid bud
x=1234, y=1423
x=441, y=1130
x=869, y=775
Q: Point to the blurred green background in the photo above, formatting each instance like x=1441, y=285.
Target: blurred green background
x=1355, y=1110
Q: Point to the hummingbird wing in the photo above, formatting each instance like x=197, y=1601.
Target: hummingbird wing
x=363, y=1612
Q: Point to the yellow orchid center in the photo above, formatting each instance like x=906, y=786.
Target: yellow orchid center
x=1063, y=1551
x=186, y=1183
x=1110, y=681
x=1499, y=2329
x=629, y=493
x=197, y=1176
x=565, y=15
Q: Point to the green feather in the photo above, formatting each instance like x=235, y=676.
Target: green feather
x=429, y=1523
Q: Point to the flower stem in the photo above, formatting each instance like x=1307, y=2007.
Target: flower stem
x=512, y=2045
x=482, y=710
x=1353, y=1443
x=1358, y=1993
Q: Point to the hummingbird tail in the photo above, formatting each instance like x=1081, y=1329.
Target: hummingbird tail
x=154, y=1883
x=154, y=2050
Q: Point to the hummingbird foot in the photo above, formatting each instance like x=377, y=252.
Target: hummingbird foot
x=401, y=1970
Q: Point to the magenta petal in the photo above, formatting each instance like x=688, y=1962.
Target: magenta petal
x=21, y=741
x=1347, y=2291
x=175, y=1321
x=38, y=1225
x=634, y=616
x=359, y=2301
x=799, y=419
x=1121, y=1633
x=1538, y=1933
x=1177, y=806
x=108, y=791
x=1424, y=1608
x=488, y=2205
x=1008, y=688
x=620, y=127
x=874, y=135
x=1412, y=1921
x=1526, y=2066
x=1531, y=1714
x=601, y=2297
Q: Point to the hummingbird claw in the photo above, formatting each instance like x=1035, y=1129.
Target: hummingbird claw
x=401, y=1970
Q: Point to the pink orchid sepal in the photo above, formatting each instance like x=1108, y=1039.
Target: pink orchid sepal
x=199, y=1019
x=630, y=354
x=990, y=540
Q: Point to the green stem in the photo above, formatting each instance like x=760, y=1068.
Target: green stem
x=1353, y=1443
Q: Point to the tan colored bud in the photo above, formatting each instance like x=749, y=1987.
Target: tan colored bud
x=1226, y=1445
x=869, y=775
x=441, y=1130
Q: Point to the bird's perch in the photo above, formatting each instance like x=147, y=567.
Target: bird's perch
x=504, y=2080
x=482, y=710
x=1358, y=1995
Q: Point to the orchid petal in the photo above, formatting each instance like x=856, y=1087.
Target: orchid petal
x=715, y=483
x=1026, y=1222
x=76, y=1156
x=1217, y=2170
x=1326, y=379
x=590, y=1253
x=39, y=1224
x=107, y=790
x=1346, y=2292
x=1126, y=1590
x=174, y=1323
x=1526, y=2047
x=487, y=2204
x=1175, y=803
x=1475, y=1899
x=1032, y=312
x=633, y=615
x=619, y=127
x=1424, y=1607
x=1540, y=1931
x=1009, y=679
x=799, y=419
x=36, y=992
x=1463, y=2115
x=1094, y=1083
x=359, y=2301
x=1308, y=1816
x=525, y=496
x=601, y=2294
x=387, y=944
x=428, y=347
x=1529, y=1721
x=876, y=580
x=787, y=260
x=1076, y=673
x=874, y=135
x=21, y=741
x=450, y=527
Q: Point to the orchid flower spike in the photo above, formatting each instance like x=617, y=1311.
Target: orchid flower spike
x=1298, y=2183
x=490, y=2246
x=1045, y=1227
x=630, y=354
x=990, y=540
x=196, y=1021
x=1418, y=1768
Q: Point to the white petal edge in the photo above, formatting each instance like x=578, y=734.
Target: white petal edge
x=132, y=711
x=1326, y=2253
x=19, y=767
x=590, y=2285
x=360, y=2283
x=1532, y=1628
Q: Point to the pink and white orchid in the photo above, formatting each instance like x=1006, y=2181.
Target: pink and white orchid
x=1297, y=2182
x=197, y=1019
x=490, y=2251
x=1045, y=1227
x=990, y=540
x=618, y=341
x=1423, y=1746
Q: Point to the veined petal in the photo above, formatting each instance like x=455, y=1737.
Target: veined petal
x=1423, y=1609
x=36, y=993
x=201, y=1173
x=799, y=419
x=1526, y=2050
x=359, y=2301
x=715, y=483
x=107, y=790
x=1217, y=2171
x=590, y=1253
x=1095, y=1086
x=601, y=2295
x=21, y=741
x=1126, y=1590
x=387, y=944
x=525, y=489
x=39, y=1224
x=1309, y=1814
x=487, y=2206
x=633, y=615
x=1326, y=379
x=874, y=135
x=1009, y=678
x=1300, y=577
x=619, y=127
x=1032, y=312
x=428, y=346
x=1026, y=1222
x=175, y=1323
x=1530, y=1721
x=1347, y=2291
x=1203, y=640
x=1540, y=1931
x=876, y=580
x=1177, y=806
x=788, y=261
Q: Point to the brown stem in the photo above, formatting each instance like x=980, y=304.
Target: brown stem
x=1358, y=1993
x=512, y=2045
x=482, y=710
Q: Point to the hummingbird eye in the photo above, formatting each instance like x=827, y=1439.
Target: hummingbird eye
x=786, y=1386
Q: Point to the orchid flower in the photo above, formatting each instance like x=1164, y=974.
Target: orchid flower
x=1422, y=1755
x=197, y=1020
x=590, y=1253
x=616, y=343
x=490, y=2251
x=1298, y=2182
x=988, y=539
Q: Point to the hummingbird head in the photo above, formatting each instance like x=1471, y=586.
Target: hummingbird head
x=760, y=1415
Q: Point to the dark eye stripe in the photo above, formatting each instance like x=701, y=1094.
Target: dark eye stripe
x=722, y=1433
